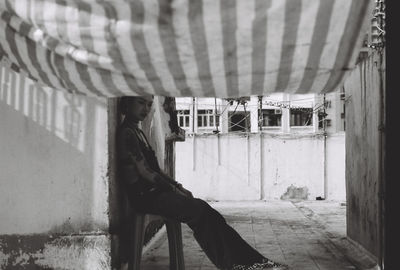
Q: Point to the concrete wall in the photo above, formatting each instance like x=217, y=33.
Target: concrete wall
x=253, y=166
x=363, y=154
x=53, y=181
x=336, y=166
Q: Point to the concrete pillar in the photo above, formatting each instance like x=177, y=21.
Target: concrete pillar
x=194, y=115
x=315, y=117
x=224, y=117
x=254, y=114
x=286, y=115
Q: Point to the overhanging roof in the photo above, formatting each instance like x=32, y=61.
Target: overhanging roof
x=215, y=48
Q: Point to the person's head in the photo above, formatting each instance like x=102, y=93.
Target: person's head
x=136, y=108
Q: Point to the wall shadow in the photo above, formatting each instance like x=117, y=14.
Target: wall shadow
x=51, y=172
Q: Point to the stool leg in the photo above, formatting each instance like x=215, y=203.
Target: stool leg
x=137, y=242
x=174, y=232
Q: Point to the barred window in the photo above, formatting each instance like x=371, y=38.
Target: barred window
x=271, y=117
x=183, y=118
x=301, y=117
x=207, y=119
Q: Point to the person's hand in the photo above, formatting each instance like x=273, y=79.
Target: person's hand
x=186, y=192
x=183, y=191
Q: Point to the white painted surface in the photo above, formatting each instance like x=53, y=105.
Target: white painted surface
x=53, y=161
x=336, y=166
x=234, y=172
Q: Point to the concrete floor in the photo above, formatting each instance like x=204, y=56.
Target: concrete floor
x=306, y=235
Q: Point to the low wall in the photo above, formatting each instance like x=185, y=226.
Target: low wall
x=262, y=166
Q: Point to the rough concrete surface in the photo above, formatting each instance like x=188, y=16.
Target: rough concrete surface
x=75, y=252
x=306, y=235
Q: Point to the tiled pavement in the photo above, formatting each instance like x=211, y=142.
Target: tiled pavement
x=306, y=235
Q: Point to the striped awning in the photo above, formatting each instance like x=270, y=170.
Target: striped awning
x=214, y=48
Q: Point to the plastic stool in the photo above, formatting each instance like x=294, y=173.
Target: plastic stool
x=174, y=233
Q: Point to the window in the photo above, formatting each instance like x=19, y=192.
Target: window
x=239, y=121
x=271, y=117
x=301, y=117
x=207, y=119
x=184, y=118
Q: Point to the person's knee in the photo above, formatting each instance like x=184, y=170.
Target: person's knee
x=198, y=210
x=201, y=207
x=203, y=212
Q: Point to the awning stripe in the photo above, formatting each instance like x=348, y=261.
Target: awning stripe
x=320, y=33
x=142, y=52
x=112, y=45
x=50, y=64
x=259, y=40
x=199, y=41
x=22, y=49
x=213, y=29
x=291, y=22
x=74, y=77
x=97, y=81
x=219, y=48
x=108, y=82
x=348, y=40
x=33, y=57
x=303, y=39
x=341, y=9
x=184, y=45
x=245, y=13
x=275, y=28
x=87, y=79
x=100, y=36
x=126, y=81
x=125, y=45
x=168, y=42
x=152, y=39
x=8, y=42
x=229, y=25
x=58, y=62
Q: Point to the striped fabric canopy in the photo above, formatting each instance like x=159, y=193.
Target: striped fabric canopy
x=214, y=48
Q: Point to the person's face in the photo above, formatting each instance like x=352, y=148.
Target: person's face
x=139, y=107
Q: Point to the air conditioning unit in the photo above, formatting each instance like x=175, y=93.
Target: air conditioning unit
x=328, y=122
x=278, y=111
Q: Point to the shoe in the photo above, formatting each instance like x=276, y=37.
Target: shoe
x=266, y=264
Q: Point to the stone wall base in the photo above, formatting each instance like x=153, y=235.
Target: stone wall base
x=40, y=251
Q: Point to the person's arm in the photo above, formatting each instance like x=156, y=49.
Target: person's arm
x=177, y=185
x=133, y=165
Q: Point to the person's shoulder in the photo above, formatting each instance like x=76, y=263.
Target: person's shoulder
x=125, y=131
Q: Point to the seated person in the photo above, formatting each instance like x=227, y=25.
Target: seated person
x=149, y=190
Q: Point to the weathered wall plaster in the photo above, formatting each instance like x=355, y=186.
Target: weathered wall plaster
x=228, y=166
x=54, y=177
x=45, y=251
x=363, y=154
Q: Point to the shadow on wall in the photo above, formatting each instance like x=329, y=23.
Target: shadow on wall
x=53, y=166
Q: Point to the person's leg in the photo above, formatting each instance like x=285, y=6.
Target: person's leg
x=221, y=243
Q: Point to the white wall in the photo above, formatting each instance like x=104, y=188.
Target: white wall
x=336, y=166
x=53, y=161
x=228, y=166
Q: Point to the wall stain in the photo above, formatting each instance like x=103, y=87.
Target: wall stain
x=45, y=251
x=293, y=192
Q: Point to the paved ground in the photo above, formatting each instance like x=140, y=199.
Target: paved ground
x=306, y=235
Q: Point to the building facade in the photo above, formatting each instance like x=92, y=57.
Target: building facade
x=275, y=113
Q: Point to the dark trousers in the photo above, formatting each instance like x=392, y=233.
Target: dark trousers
x=221, y=243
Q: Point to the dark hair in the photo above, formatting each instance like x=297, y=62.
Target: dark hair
x=126, y=101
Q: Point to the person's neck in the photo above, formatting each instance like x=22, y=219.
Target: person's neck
x=131, y=122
